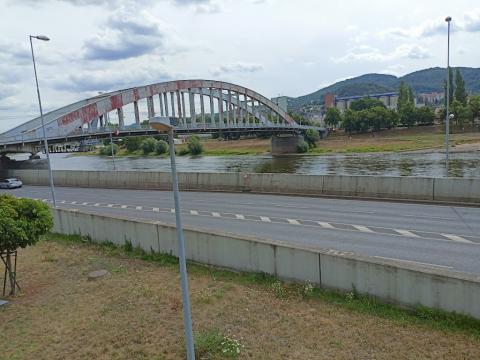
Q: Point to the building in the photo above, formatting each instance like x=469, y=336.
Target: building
x=281, y=101
x=389, y=99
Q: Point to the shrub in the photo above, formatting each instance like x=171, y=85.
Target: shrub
x=22, y=223
x=148, y=145
x=133, y=143
x=302, y=147
x=107, y=150
x=183, y=151
x=161, y=147
x=212, y=344
x=311, y=137
x=194, y=145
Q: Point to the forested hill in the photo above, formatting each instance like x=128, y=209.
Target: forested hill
x=422, y=81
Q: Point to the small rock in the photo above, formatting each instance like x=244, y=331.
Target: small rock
x=97, y=274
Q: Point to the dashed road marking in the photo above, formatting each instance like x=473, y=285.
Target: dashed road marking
x=216, y=214
x=363, y=228
x=156, y=209
x=265, y=219
x=325, y=225
x=193, y=212
x=110, y=205
x=239, y=216
x=138, y=207
x=123, y=206
x=96, y=204
x=73, y=202
x=293, y=222
x=457, y=238
x=172, y=211
x=85, y=203
x=406, y=233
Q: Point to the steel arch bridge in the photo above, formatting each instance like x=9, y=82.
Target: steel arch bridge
x=198, y=105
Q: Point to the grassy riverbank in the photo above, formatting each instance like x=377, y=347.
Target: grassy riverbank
x=395, y=140
x=136, y=313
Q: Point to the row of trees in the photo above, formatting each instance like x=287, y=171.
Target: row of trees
x=371, y=115
x=156, y=145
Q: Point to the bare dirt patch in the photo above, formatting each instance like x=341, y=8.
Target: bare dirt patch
x=136, y=313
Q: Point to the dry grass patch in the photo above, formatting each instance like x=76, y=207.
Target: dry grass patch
x=136, y=313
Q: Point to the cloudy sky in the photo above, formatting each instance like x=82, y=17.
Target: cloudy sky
x=272, y=46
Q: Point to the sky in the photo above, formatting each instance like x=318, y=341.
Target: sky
x=275, y=47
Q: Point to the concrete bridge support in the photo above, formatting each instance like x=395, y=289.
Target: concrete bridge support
x=285, y=144
x=137, y=113
x=121, y=119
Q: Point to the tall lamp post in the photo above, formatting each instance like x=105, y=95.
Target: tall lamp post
x=448, y=19
x=165, y=124
x=45, y=142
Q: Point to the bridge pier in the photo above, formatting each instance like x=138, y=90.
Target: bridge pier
x=121, y=119
x=285, y=143
x=137, y=113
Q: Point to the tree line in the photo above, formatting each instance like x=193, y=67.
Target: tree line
x=368, y=114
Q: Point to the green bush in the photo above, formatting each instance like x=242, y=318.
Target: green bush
x=148, y=145
x=194, y=145
x=22, y=223
x=311, y=137
x=302, y=147
x=107, y=150
x=183, y=151
x=161, y=147
x=133, y=143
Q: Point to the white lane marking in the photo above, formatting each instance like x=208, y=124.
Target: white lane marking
x=138, y=207
x=216, y=214
x=172, y=211
x=193, y=212
x=265, y=219
x=293, y=222
x=363, y=228
x=457, y=238
x=156, y=209
x=325, y=225
x=123, y=206
x=62, y=202
x=73, y=202
x=85, y=203
x=240, y=216
x=96, y=204
x=414, y=262
x=110, y=205
x=406, y=233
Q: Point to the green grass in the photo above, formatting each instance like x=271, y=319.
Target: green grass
x=421, y=316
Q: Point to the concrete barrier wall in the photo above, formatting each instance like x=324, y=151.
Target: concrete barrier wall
x=409, y=188
x=394, y=282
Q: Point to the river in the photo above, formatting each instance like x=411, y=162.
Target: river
x=462, y=164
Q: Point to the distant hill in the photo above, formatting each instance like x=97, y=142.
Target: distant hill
x=422, y=81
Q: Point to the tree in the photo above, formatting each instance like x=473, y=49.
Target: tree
x=451, y=88
x=460, y=92
x=461, y=113
x=148, y=145
x=365, y=103
x=299, y=119
x=349, y=121
x=161, y=147
x=107, y=150
x=425, y=116
x=22, y=223
x=405, y=96
x=474, y=104
x=407, y=115
x=333, y=117
x=311, y=137
x=194, y=145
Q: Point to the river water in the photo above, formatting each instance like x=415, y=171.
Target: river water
x=466, y=164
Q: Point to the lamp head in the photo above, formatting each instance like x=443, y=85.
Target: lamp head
x=451, y=116
x=41, y=37
x=162, y=123
x=448, y=19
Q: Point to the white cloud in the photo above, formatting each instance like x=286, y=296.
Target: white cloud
x=238, y=67
x=370, y=54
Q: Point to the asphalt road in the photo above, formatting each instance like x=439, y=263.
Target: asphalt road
x=436, y=236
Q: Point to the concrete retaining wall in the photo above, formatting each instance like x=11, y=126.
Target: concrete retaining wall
x=404, y=284
x=408, y=188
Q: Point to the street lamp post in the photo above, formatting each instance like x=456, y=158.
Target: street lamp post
x=447, y=115
x=165, y=124
x=45, y=141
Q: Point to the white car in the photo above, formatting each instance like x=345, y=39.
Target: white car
x=10, y=183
